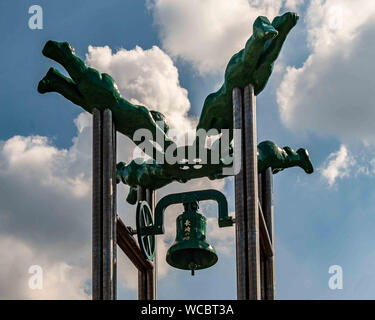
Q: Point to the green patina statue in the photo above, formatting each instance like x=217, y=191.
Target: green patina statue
x=253, y=64
x=91, y=89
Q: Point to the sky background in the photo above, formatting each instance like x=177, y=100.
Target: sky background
x=169, y=55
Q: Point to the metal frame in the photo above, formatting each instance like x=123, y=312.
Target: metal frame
x=108, y=230
x=255, y=261
x=147, y=278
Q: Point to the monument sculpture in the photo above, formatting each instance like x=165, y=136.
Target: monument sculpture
x=250, y=68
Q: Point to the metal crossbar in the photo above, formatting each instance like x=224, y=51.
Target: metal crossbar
x=130, y=247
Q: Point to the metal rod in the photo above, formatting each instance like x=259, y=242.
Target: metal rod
x=260, y=191
x=108, y=217
x=150, y=284
x=252, y=208
x=240, y=205
x=146, y=278
x=97, y=206
x=151, y=199
x=114, y=211
x=142, y=285
x=269, y=219
x=262, y=277
x=142, y=274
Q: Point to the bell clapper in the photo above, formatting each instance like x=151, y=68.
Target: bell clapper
x=192, y=267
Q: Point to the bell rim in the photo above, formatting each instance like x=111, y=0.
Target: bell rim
x=210, y=250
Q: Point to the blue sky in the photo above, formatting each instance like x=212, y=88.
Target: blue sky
x=319, y=97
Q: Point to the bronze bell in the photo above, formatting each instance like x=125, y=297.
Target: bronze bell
x=191, y=251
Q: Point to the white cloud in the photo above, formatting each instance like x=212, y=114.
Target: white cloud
x=332, y=92
x=59, y=279
x=35, y=158
x=339, y=165
x=146, y=77
x=207, y=33
x=223, y=239
x=45, y=214
x=293, y=4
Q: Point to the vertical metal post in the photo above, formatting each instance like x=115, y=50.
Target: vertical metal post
x=252, y=207
x=150, y=284
x=151, y=199
x=267, y=201
x=147, y=278
x=262, y=277
x=142, y=286
x=114, y=211
x=104, y=206
x=246, y=197
x=240, y=208
x=97, y=206
x=142, y=275
x=107, y=206
x=262, y=255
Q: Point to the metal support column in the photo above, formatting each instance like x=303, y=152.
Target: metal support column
x=252, y=206
x=246, y=193
x=104, y=207
x=239, y=184
x=147, y=277
x=267, y=201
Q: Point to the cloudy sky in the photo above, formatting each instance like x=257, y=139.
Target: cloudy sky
x=169, y=55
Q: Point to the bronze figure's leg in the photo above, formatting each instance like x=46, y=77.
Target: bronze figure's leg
x=283, y=24
x=54, y=81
